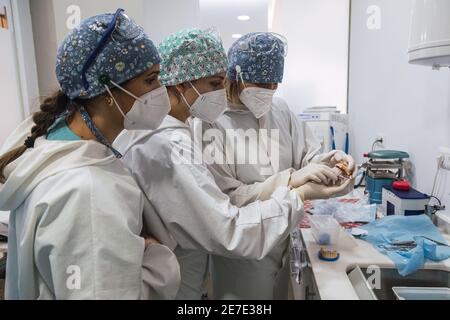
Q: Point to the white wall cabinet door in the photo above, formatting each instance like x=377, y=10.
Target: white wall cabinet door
x=11, y=106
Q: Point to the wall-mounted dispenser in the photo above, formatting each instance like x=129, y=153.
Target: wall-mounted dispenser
x=430, y=33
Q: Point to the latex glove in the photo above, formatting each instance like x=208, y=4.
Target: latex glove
x=313, y=172
x=334, y=157
x=314, y=191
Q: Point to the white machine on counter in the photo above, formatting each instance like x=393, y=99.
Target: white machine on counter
x=430, y=33
x=329, y=126
x=402, y=202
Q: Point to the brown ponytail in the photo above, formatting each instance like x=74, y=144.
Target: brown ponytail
x=43, y=119
x=233, y=92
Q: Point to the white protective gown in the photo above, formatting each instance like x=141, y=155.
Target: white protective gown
x=18, y=136
x=269, y=278
x=198, y=215
x=75, y=225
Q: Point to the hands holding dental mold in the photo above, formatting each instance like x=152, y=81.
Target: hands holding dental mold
x=330, y=176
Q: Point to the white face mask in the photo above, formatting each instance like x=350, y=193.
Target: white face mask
x=148, y=111
x=257, y=100
x=209, y=106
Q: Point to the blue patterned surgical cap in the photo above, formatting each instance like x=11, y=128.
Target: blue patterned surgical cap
x=124, y=55
x=259, y=57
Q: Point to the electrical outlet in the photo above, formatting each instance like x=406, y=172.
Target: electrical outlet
x=380, y=137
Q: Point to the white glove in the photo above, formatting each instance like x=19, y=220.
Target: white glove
x=334, y=157
x=314, y=191
x=313, y=172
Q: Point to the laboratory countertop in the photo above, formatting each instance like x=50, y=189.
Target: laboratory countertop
x=331, y=277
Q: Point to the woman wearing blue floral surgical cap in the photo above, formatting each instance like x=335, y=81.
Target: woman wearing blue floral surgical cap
x=255, y=68
x=76, y=213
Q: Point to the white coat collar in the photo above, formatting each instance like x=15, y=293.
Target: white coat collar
x=48, y=158
x=128, y=138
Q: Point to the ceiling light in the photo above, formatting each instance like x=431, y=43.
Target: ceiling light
x=243, y=18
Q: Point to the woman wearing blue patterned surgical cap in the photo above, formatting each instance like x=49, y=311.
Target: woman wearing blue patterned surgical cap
x=288, y=157
x=76, y=213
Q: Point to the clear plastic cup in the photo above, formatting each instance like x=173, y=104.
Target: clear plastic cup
x=326, y=231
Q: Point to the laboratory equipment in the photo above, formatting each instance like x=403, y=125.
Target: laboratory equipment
x=430, y=33
x=383, y=168
x=329, y=126
x=404, y=203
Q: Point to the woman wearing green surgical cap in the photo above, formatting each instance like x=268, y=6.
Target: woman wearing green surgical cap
x=76, y=225
x=290, y=158
x=184, y=196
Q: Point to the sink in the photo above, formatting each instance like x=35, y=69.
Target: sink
x=390, y=278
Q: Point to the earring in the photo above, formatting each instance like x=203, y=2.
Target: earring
x=109, y=101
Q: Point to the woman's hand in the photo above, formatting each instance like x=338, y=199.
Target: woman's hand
x=313, y=172
x=314, y=191
x=336, y=156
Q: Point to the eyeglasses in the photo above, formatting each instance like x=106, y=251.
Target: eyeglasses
x=100, y=46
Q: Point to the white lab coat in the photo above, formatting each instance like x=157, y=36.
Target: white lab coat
x=18, y=136
x=266, y=279
x=198, y=215
x=75, y=225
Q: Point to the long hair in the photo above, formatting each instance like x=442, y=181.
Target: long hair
x=233, y=92
x=43, y=120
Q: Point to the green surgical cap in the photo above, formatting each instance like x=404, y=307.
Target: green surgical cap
x=190, y=55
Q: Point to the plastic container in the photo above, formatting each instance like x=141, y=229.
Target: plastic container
x=405, y=293
x=326, y=231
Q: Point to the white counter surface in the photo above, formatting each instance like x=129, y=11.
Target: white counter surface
x=331, y=277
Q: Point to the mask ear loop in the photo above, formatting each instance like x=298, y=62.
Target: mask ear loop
x=127, y=92
x=195, y=89
x=117, y=105
x=184, y=98
x=185, y=101
x=239, y=76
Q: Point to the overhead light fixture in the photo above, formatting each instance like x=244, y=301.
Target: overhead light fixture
x=236, y=35
x=243, y=18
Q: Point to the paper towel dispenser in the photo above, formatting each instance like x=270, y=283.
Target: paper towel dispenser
x=430, y=33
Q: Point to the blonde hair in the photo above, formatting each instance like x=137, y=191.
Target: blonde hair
x=233, y=92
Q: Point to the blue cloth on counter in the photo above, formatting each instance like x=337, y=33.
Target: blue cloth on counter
x=390, y=229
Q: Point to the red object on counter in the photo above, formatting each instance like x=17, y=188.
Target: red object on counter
x=402, y=185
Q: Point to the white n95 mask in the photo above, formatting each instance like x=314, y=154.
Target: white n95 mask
x=208, y=106
x=257, y=100
x=147, y=112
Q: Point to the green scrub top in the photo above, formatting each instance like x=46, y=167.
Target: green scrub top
x=60, y=131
